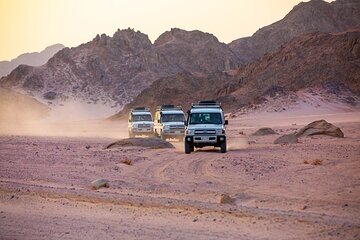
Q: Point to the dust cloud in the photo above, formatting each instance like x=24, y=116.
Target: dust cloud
x=23, y=115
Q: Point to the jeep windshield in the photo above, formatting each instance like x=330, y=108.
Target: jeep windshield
x=172, y=118
x=142, y=118
x=205, y=118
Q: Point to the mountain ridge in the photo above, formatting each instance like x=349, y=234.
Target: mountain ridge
x=304, y=18
x=31, y=59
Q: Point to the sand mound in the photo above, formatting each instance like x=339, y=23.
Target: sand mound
x=320, y=127
x=264, y=131
x=153, y=143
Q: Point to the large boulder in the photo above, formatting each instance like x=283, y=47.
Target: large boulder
x=320, y=127
x=154, y=143
x=288, y=138
x=264, y=131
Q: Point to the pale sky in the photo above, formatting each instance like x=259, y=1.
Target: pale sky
x=32, y=25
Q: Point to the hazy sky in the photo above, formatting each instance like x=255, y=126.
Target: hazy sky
x=31, y=25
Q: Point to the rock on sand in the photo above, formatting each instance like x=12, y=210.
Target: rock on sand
x=264, y=131
x=154, y=143
x=320, y=127
x=99, y=183
x=288, y=138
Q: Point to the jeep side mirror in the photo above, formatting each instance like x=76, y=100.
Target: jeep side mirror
x=226, y=122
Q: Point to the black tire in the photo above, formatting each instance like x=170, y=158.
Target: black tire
x=188, y=147
x=223, y=147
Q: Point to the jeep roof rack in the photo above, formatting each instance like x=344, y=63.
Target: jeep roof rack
x=168, y=107
x=206, y=104
x=140, y=109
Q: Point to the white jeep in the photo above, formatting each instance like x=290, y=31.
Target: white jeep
x=169, y=122
x=205, y=126
x=140, y=122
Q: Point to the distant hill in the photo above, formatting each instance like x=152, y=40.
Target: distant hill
x=304, y=18
x=31, y=59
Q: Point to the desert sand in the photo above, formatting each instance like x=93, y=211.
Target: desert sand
x=308, y=190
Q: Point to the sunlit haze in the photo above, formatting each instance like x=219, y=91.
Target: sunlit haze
x=32, y=25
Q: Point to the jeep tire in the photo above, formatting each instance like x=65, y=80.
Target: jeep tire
x=223, y=147
x=188, y=147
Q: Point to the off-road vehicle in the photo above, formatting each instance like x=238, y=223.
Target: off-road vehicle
x=169, y=122
x=205, y=126
x=140, y=122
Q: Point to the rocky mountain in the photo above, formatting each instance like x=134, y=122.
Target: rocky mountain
x=327, y=60
x=304, y=18
x=114, y=70
x=31, y=59
x=318, y=60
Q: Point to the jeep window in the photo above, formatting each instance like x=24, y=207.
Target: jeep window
x=205, y=118
x=140, y=118
x=172, y=118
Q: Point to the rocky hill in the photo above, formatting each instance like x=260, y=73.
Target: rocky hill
x=304, y=18
x=329, y=61
x=318, y=60
x=114, y=70
x=31, y=59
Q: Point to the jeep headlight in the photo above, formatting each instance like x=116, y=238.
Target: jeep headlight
x=220, y=131
x=190, y=131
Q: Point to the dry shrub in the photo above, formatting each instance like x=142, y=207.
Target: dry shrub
x=226, y=199
x=127, y=162
x=317, y=162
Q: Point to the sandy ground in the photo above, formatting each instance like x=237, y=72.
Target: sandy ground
x=45, y=190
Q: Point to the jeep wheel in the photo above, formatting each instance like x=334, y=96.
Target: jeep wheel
x=188, y=148
x=223, y=147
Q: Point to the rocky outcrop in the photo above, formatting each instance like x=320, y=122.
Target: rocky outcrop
x=320, y=127
x=304, y=18
x=114, y=70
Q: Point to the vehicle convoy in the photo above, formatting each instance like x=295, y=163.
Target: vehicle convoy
x=205, y=126
x=169, y=122
x=140, y=122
